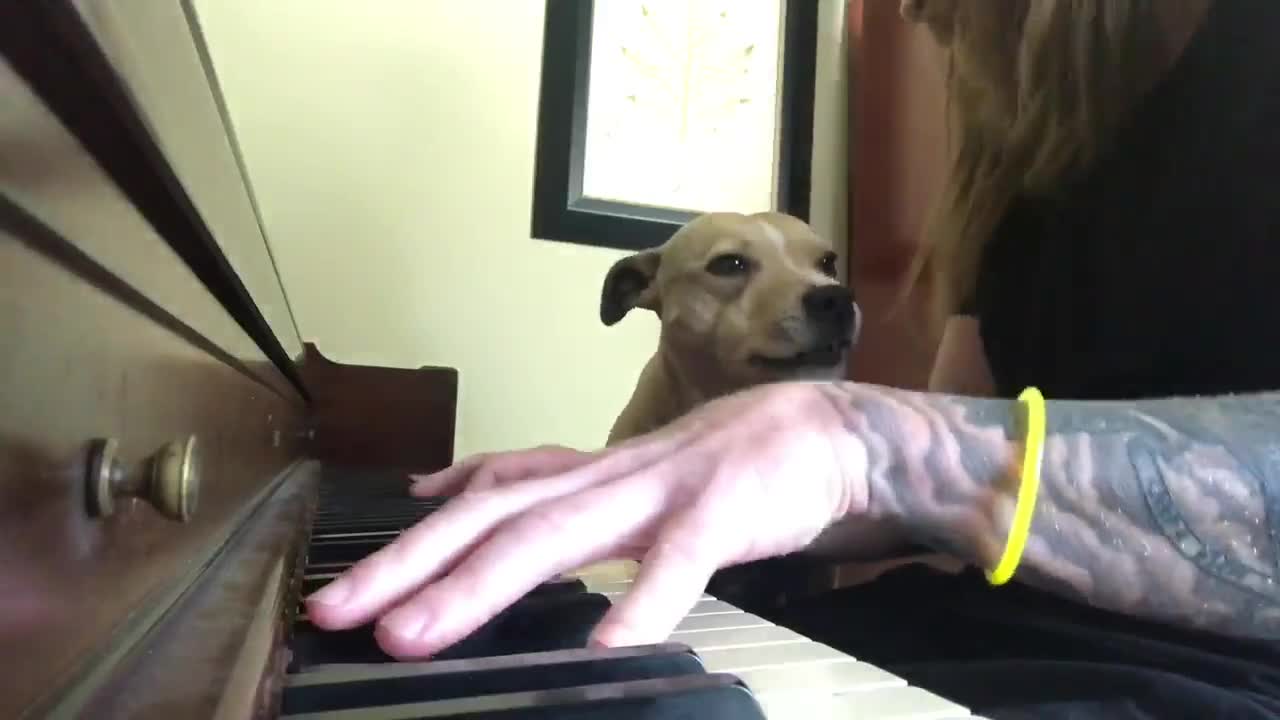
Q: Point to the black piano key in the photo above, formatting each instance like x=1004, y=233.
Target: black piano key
x=312, y=583
x=390, y=512
x=372, y=525
x=711, y=696
x=357, y=515
x=533, y=624
x=398, y=494
x=370, y=504
x=340, y=687
x=347, y=551
x=552, y=622
x=321, y=568
x=559, y=586
x=399, y=508
x=332, y=502
x=354, y=522
x=326, y=534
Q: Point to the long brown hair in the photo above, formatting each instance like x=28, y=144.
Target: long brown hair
x=1034, y=90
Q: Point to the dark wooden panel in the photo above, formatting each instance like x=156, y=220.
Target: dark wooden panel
x=391, y=418
x=219, y=653
x=46, y=170
x=158, y=50
x=64, y=84
x=85, y=356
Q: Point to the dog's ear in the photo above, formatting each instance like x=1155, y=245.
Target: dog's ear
x=628, y=285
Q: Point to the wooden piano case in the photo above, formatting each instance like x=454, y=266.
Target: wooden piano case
x=160, y=417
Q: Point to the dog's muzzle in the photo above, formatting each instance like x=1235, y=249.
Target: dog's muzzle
x=831, y=310
x=836, y=321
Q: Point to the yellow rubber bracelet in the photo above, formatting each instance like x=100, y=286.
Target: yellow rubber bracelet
x=1033, y=456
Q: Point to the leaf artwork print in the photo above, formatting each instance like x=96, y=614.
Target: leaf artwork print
x=682, y=103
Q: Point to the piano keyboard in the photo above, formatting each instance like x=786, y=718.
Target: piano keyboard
x=532, y=660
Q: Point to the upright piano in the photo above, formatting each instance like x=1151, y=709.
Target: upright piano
x=178, y=469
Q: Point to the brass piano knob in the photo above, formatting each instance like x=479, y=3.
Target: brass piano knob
x=169, y=480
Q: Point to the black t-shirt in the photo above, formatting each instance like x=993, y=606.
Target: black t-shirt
x=1158, y=274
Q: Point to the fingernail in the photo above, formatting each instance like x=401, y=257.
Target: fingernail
x=403, y=625
x=335, y=593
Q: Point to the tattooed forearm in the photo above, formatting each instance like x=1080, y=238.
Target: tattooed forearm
x=1166, y=509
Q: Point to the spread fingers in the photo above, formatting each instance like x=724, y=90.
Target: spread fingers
x=524, y=552
x=430, y=548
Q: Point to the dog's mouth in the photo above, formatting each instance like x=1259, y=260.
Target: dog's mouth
x=826, y=355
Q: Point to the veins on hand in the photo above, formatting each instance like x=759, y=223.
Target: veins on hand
x=1165, y=509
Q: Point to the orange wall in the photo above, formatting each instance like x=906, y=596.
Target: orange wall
x=897, y=146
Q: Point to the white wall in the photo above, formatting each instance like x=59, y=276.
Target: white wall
x=391, y=146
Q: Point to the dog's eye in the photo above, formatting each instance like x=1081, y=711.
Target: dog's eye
x=827, y=265
x=728, y=265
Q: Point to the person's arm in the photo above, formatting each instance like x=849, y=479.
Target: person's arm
x=960, y=364
x=1163, y=509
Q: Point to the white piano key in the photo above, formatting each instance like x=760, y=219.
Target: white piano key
x=610, y=588
x=737, y=660
x=615, y=590
x=761, y=636
x=614, y=579
x=900, y=703
x=712, y=607
x=894, y=703
x=825, y=678
x=619, y=571
x=790, y=707
x=694, y=623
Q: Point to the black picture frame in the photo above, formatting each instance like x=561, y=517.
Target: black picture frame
x=560, y=211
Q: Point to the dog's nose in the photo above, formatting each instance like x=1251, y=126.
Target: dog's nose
x=830, y=306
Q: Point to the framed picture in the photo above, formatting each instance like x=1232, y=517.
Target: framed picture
x=654, y=111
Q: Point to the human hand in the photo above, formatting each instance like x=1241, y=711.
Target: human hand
x=753, y=475
x=490, y=470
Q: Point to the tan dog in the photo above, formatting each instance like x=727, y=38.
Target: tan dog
x=743, y=300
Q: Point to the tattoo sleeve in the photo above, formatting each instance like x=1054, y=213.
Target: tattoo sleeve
x=1164, y=509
